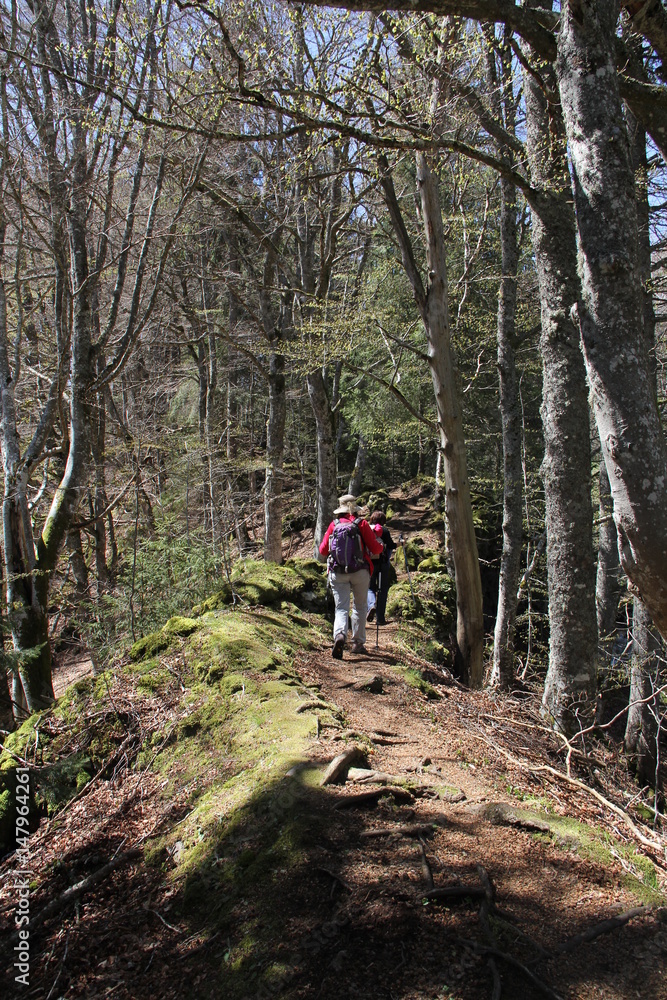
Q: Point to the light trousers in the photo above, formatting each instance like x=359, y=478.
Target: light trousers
x=341, y=585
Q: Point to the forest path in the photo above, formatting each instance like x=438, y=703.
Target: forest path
x=546, y=886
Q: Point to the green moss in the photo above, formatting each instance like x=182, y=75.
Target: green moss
x=150, y=645
x=598, y=846
x=156, y=642
x=413, y=551
x=7, y=820
x=154, y=680
x=414, y=679
x=426, y=613
x=82, y=780
x=58, y=782
x=434, y=562
x=178, y=625
x=300, y=582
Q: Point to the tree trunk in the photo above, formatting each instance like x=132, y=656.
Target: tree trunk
x=510, y=412
x=327, y=493
x=100, y=500
x=500, y=78
x=357, y=476
x=433, y=306
x=27, y=585
x=275, y=450
x=77, y=562
x=444, y=376
x=571, y=678
x=641, y=734
x=641, y=731
x=610, y=316
x=608, y=584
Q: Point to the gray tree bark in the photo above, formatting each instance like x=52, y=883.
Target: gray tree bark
x=610, y=315
x=641, y=733
x=432, y=302
x=571, y=678
x=607, y=583
x=77, y=562
x=327, y=495
x=502, y=672
x=357, y=476
x=275, y=450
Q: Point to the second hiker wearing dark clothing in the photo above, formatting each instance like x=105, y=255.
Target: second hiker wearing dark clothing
x=382, y=576
x=353, y=577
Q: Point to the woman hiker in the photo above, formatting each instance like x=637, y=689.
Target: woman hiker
x=383, y=574
x=349, y=544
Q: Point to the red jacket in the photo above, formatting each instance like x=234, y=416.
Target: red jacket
x=373, y=547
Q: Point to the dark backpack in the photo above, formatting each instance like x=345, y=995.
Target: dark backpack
x=346, y=547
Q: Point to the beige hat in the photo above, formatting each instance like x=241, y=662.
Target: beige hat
x=347, y=505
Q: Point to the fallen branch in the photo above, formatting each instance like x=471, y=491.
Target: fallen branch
x=177, y=930
x=542, y=768
x=602, y=928
x=74, y=891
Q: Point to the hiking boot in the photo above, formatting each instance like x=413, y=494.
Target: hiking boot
x=337, y=651
x=371, y=615
x=358, y=647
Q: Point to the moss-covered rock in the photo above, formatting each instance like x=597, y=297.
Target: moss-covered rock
x=413, y=678
x=426, y=611
x=150, y=645
x=413, y=551
x=298, y=581
x=433, y=562
x=58, y=782
x=156, y=642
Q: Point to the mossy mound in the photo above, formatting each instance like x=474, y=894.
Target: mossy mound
x=253, y=805
x=413, y=678
x=412, y=553
x=426, y=612
x=430, y=601
x=57, y=772
x=239, y=640
x=298, y=581
x=433, y=562
x=156, y=642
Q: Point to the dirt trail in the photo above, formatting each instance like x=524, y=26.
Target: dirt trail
x=339, y=909
x=547, y=891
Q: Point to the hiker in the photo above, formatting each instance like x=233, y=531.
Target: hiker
x=382, y=572
x=349, y=543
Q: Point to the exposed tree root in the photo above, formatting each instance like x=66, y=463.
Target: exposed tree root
x=370, y=798
x=604, y=927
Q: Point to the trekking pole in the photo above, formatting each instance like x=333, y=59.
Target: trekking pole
x=377, y=617
x=401, y=542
